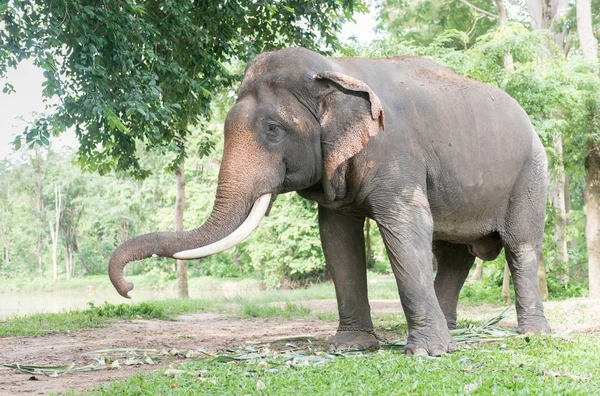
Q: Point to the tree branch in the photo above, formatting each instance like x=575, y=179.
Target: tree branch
x=488, y=14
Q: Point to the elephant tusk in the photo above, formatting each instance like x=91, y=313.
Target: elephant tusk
x=260, y=207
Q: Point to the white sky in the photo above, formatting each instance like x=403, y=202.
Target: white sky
x=19, y=107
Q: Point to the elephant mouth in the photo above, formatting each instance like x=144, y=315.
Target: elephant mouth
x=260, y=209
x=273, y=199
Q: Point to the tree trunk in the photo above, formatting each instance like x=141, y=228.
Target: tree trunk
x=68, y=261
x=542, y=281
x=592, y=226
x=39, y=255
x=543, y=15
x=506, y=284
x=478, y=270
x=509, y=63
x=55, y=228
x=556, y=186
x=182, y=275
x=39, y=207
x=589, y=43
x=589, y=46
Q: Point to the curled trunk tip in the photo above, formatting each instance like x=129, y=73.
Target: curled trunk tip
x=127, y=287
x=115, y=273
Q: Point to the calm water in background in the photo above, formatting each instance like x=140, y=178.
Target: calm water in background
x=23, y=303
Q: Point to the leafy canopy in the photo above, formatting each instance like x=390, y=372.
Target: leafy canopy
x=425, y=21
x=142, y=71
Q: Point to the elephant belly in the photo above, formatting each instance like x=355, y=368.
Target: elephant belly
x=470, y=223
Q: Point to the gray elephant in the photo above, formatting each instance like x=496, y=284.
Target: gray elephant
x=441, y=163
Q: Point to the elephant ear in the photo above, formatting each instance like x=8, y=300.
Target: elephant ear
x=350, y=113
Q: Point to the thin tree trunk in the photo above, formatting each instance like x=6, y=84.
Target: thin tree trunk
x=557, y=199
x=509, y=63
x=39, y=206
x=55, y=228
x=182, y=276
x=506, y=284
x=478, y=273
x=68, y=261
x=589, y=47
x=39, y=255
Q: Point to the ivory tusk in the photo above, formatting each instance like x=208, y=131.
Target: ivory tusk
x=252, y=221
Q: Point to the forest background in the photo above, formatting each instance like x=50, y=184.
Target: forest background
x=63, y=211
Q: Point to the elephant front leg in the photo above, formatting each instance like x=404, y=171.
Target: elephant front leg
x=406, y=226
x=343, y=243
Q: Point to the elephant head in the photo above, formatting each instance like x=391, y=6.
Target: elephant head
x=297, y=122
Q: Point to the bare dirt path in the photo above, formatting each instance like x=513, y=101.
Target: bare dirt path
x=214, y=333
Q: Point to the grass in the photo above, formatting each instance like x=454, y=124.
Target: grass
x=288, y=311
x=99, y=316
x=540, y=365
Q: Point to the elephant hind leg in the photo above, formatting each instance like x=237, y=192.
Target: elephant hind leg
x=522, y=240
x=454, y=262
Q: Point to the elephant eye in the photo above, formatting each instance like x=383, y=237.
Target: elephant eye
x=274, y=133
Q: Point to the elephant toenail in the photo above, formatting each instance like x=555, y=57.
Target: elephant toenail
x=451, y=347
x=437, y=351
x=421, y=352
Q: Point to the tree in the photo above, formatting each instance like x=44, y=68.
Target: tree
x=132, y=73
x=455, y=23
x=38, y=165
x=55, y=228
x=589, y=47
x=550, y=15
x=182, y=277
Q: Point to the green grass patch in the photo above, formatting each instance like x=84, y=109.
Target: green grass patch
x=540, y=365
x=99, y=316
x=482, y=292
x=288, y=311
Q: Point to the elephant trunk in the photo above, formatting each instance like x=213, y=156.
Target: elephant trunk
x=228, y=224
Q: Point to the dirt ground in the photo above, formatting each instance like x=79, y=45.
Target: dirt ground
x=214, y=333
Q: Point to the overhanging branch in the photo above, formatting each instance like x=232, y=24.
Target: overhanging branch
x=488, y=14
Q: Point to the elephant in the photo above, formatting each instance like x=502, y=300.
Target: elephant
x=444, y=165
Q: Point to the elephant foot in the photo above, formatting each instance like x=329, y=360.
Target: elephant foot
x=428, y=343
x=353, y=340
x=533, y=324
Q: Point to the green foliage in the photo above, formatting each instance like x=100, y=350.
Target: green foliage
x=132, y=72
x=287, y=245
x=424, y=22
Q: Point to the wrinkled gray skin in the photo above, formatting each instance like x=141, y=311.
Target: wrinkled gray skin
x=442, y=163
